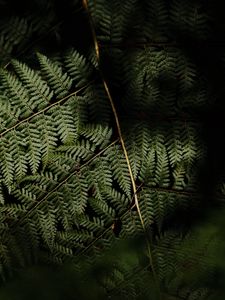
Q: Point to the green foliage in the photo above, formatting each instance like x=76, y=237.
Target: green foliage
x=66, y=193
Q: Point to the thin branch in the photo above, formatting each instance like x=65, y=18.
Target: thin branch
x=85, y=4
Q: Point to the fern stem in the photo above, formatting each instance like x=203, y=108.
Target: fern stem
x=44, y=110
x=173, y=191
x=73, y=172
x=122, y=216
x=96, y=45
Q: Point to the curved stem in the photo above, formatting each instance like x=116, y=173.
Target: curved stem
x=96, y=45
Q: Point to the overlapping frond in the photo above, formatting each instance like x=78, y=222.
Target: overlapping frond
x=66, y=191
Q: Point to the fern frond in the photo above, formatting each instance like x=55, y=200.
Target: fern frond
x=65, y=123
x=190, y=19
x=78, y=68
x=119, y=168
x=56, y=79
x=34, y=152
x=39, y=91
x=18, y=94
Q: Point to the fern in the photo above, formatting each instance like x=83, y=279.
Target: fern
x=76, y=189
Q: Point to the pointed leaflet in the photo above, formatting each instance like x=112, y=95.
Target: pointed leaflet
x=45, y=217
x=78, y=68
x=39, y=91
x=99, y=177
x=118, y=164
x=18, y=94
x=66, y=126
x=58, y=80
x=34, y=151
x=9, y=115
x=16, y=146
x=49, y=139
x=174, y=144
x=76, y=197
x=7, y=163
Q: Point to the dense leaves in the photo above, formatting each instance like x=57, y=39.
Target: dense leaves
x=66, y=193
